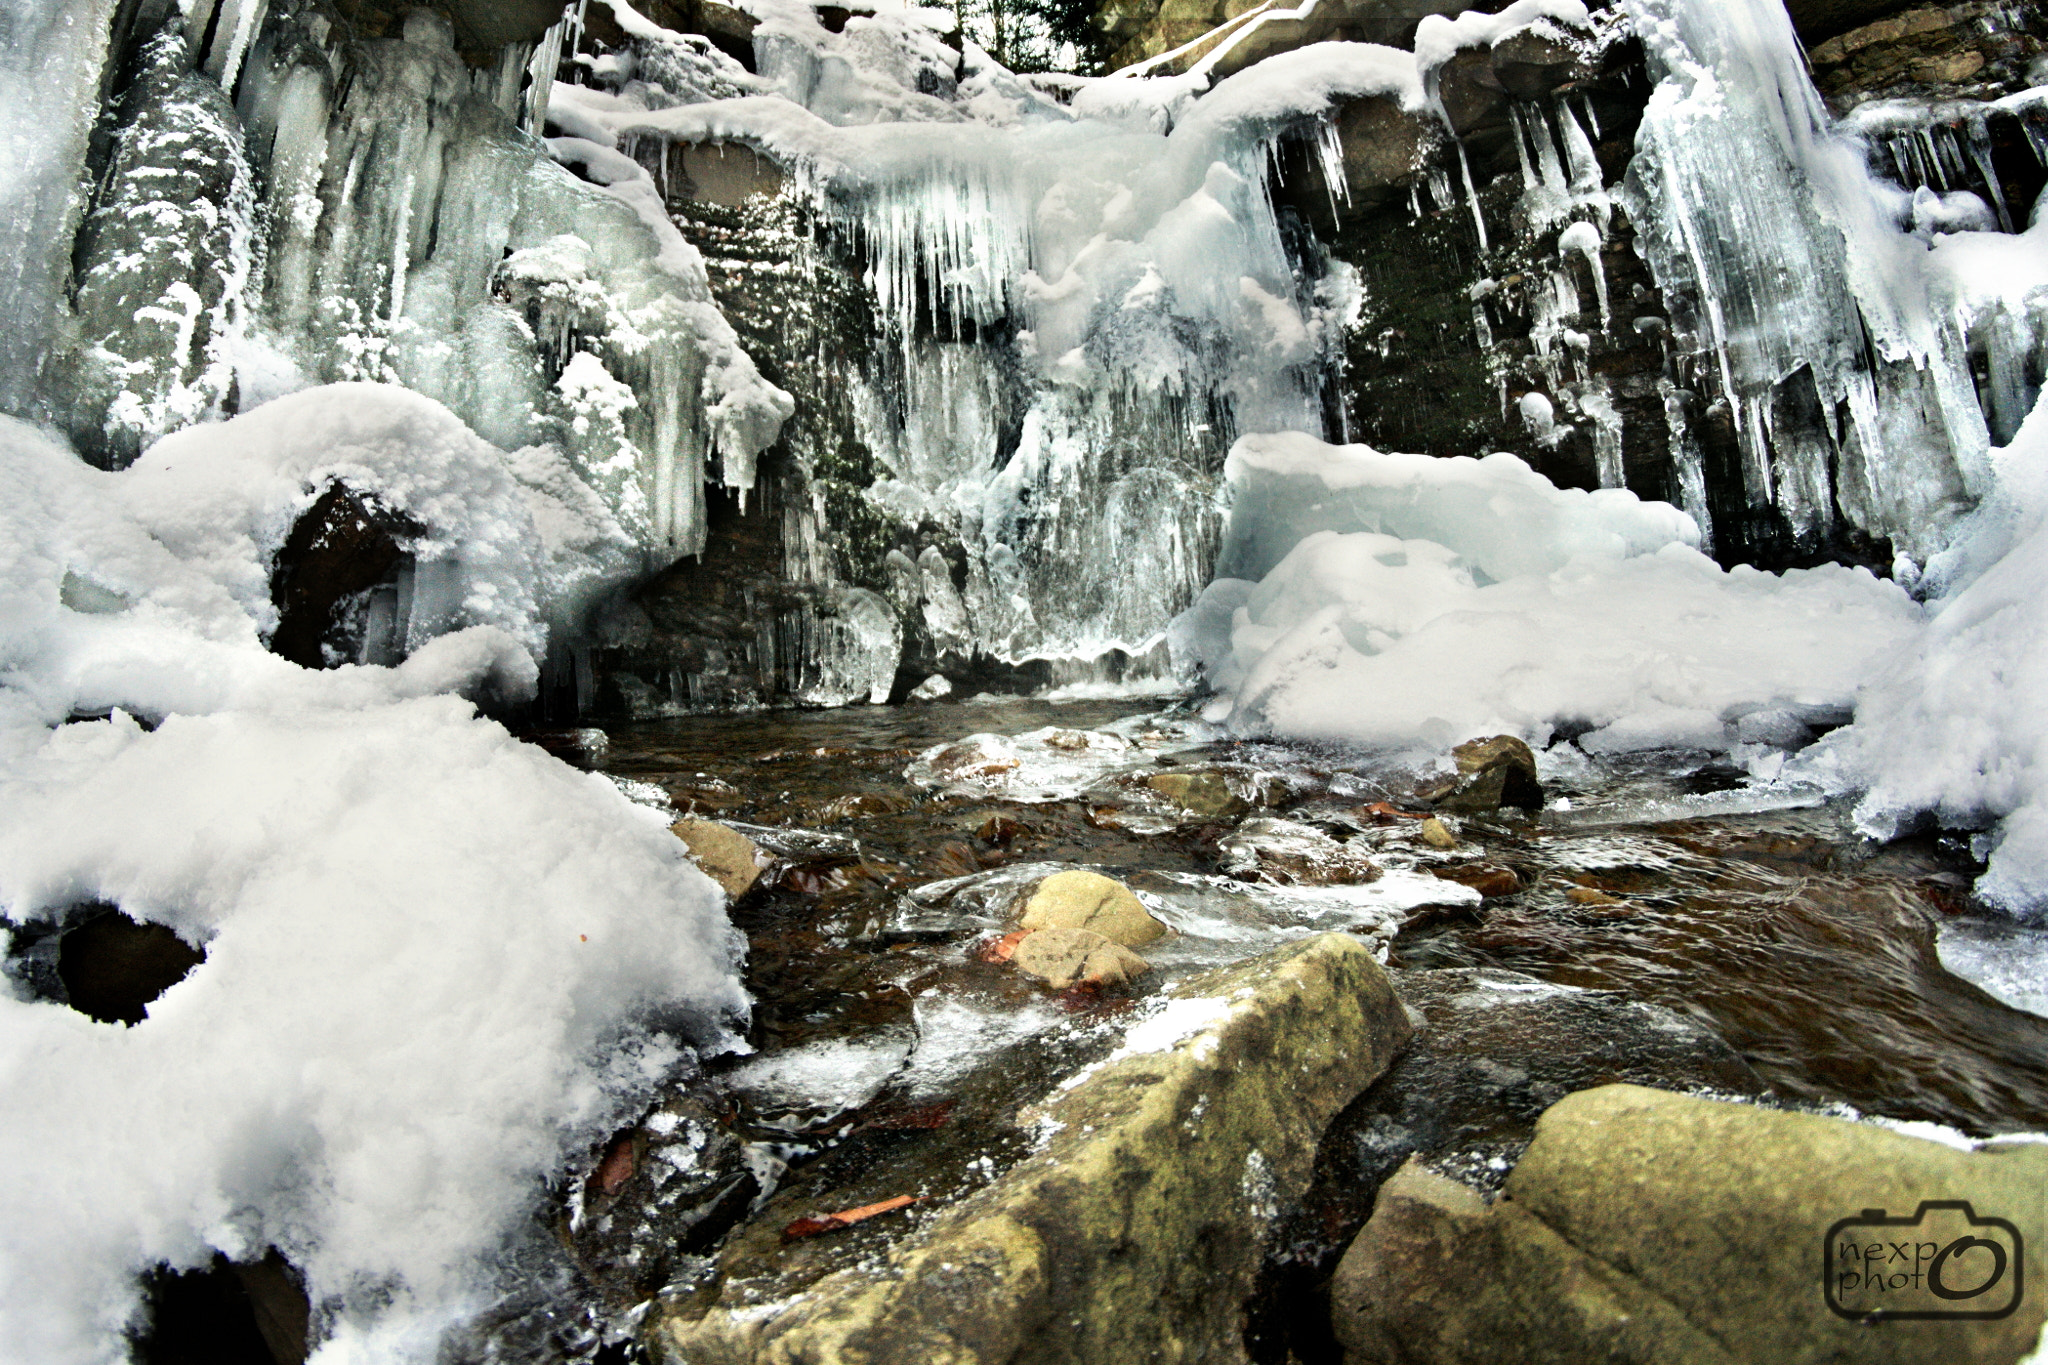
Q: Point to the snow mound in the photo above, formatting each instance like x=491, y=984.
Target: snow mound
x=1429, y=601
x=439, y=964
x=1953, y=727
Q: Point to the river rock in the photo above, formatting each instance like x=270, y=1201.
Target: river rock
x=668, y=1188
x=1206, y=795
x=1493, y=773
x=1135, y=1230
x=1080, y=899
x=727, y=856
x=1647, y=1226
x=1492, y=1050
x=1076, y=957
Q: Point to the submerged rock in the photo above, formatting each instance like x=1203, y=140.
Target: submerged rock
x=1135, y=1230
x=1205, y=795
x=1080, y=899
x=1289, y=853
x=1647, y=1226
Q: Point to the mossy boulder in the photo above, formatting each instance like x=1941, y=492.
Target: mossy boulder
x=1643, y=1226
x=1136, y=1230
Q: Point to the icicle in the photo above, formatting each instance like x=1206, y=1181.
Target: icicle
x=1472, y=197
x=1980, y=155
x=540, y=76
x=401, y=256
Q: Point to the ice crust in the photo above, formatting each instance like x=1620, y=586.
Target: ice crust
x=439, y=962
x=1431, y=601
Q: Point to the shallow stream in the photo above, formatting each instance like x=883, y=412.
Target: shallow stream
x=893, y=1058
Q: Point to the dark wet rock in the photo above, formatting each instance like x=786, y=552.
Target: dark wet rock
x=224, y=1313
x=1289, y=853
x=668, y=1188
x=1076, y=957
x=727, y=856
x=1643, y=1226
x=1492, y=1050
x=1076, y=898
x=112, y=966
x=1134, y=1230
x=1385, y=146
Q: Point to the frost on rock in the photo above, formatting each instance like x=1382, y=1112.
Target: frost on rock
x=164, y=260
x=1428, y=601
x=438, y=963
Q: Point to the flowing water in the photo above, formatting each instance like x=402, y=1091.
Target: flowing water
x=895, y=1058
x=1811, y=951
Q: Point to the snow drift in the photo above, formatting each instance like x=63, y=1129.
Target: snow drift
x=438, y=962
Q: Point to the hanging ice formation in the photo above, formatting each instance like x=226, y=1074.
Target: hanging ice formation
x=271, y=206
x=1022, y=319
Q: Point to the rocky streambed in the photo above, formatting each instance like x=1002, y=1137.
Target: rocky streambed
x=1083, y=1034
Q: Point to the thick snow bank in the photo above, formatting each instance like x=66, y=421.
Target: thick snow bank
x=1429, y=601
x=1955, y=726
x=439, y=962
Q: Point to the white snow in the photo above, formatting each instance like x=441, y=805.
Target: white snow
x=1953, y=726
x=439, y=962
x=1429, y=601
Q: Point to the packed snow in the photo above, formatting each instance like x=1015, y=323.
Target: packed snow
x=438, y=963
x=1429, y=601
x=1951, y=728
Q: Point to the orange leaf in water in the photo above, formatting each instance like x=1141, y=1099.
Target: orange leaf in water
x=833, y=1222
x=1004, y=948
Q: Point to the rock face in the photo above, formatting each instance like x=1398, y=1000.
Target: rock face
x=727, y=856
x=1646, y=1226
x=1080, y=899
x=1135, y=1231
x=1967, y=51
x=1149, y=28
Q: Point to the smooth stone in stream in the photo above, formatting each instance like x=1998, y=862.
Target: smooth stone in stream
x=1643, y=1226
x=1080, y=899
x=1136, y=1228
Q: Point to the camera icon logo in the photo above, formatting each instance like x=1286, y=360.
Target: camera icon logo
x=1942, y=1262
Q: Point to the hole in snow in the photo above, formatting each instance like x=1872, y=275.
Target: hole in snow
x=341, y=583
x=112, y=967
x=225, y=1314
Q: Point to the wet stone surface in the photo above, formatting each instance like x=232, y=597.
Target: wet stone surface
x=1657, y=921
